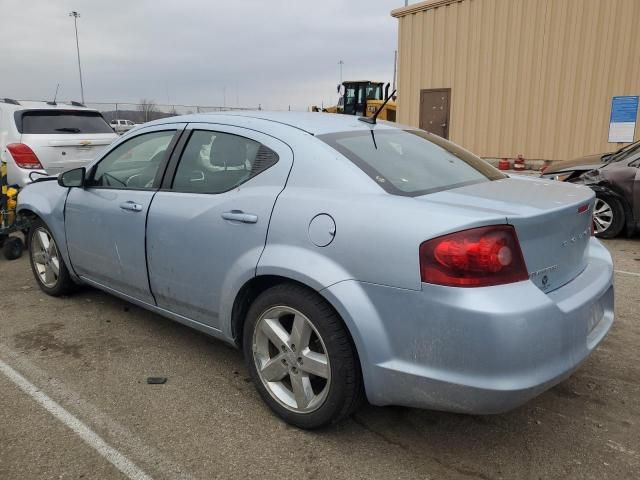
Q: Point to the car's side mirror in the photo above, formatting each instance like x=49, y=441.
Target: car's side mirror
x=72, y=178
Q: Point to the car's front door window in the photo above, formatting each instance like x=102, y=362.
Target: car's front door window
x=133, y=164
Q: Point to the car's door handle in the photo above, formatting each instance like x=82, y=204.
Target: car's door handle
x=131, y=206
x=240, y=216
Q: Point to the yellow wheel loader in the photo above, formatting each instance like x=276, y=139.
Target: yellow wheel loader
x=12, y=246
x=363, y=98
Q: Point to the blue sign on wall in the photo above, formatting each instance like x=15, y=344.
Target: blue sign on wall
x=624, y=114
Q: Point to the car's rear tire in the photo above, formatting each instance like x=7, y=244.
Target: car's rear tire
x=47, y=264
x=314, y=382
x=608, y=216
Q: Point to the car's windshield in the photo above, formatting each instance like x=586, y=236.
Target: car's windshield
x=411, y=162
x=61, y=122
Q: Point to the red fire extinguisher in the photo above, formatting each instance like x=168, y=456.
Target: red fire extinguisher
x=504, y=164
x=518, y=163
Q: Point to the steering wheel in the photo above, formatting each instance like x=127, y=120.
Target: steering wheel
x=109, y=176
x=147, y=177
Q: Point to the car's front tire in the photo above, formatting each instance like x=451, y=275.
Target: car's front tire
x=301, y=357
x=608, y=216
x=47, y=264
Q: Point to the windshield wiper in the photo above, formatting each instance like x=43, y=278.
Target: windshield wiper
x=68, y=129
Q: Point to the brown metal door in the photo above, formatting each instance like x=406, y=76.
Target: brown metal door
x=434, y=111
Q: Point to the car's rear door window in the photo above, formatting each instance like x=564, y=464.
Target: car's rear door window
x=216, y=162
x=61, y=122
x=411, y=162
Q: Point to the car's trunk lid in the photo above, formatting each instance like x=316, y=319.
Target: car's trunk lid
x=66, y=151
x=552, y=221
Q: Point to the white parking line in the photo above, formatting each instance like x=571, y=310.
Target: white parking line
x=624, y=272
x=90, y=437
x=127, y=440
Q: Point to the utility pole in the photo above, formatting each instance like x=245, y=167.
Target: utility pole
x=75, y=16
x=395, y=66
x=341, y=63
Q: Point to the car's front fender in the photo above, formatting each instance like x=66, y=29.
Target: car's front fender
x=605, y=188
x=46, y=200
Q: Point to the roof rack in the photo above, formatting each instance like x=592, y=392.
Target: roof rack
x=77, y=104
x=9, y=100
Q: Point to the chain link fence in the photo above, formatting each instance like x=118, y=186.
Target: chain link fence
x=147, y=111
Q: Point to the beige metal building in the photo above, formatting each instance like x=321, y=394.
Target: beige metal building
x=508, y=77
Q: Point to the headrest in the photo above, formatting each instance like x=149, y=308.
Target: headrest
x=228, y=150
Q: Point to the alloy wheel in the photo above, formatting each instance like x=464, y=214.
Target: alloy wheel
x=45, y=257
x=291, y=359
x=602, y=216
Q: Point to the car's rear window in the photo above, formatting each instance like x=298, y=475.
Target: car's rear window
x=61, y=122
x=411, y=162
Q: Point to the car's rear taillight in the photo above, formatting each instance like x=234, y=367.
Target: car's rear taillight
x=478, y=257
x=24, y=156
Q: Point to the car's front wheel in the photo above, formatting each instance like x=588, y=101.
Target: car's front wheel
x=301, y=357
x=46, y=263
x=608, y=216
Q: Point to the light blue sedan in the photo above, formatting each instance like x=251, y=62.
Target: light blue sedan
x=346, y=259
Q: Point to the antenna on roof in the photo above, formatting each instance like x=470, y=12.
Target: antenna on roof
x=372, y=119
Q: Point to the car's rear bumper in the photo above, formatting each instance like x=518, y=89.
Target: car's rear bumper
x=478, y=350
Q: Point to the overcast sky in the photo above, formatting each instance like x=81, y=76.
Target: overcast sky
x=270, y=52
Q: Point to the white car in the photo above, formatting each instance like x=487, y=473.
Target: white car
x=121, y=126
x=49, y=138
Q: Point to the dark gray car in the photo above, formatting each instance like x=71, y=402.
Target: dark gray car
x=613, y=177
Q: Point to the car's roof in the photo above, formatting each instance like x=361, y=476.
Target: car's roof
x=43, y=105
x=315, y=123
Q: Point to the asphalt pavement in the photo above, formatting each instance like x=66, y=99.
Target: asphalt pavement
x=74, y=403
